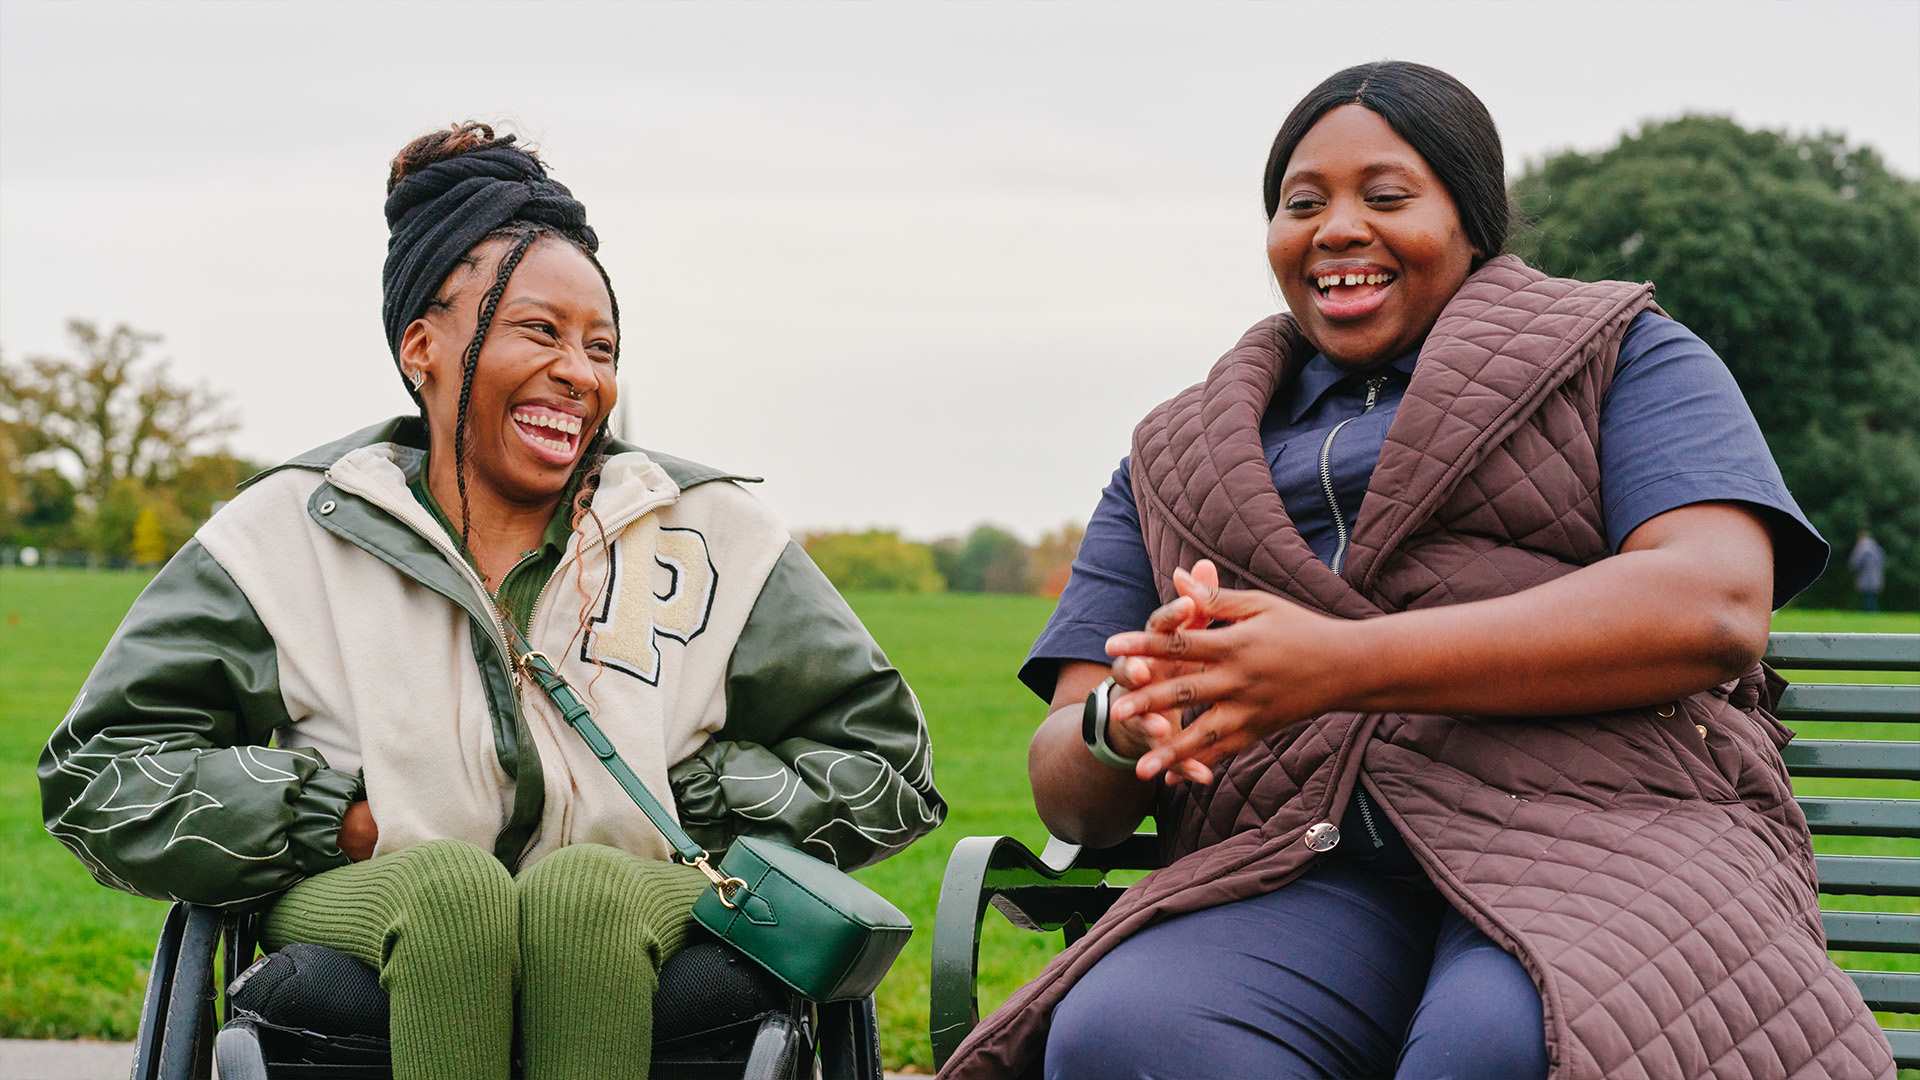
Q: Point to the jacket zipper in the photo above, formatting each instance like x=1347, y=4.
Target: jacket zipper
x=1366, y=816
x=1326, y=471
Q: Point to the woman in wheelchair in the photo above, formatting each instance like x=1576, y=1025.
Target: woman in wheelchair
x=1470, y=772
x=314, y=709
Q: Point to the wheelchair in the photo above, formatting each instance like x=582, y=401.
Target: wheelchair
x=716, y=1014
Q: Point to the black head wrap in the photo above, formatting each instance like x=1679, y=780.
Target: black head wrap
x=437, y=215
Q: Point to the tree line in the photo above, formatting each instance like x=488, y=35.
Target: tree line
x=103, y=452
x=1796, y=257
x=988, y=559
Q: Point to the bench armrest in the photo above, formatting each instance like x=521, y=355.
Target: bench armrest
x=1063, y=888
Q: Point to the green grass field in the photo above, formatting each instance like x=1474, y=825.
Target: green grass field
x=73, y=955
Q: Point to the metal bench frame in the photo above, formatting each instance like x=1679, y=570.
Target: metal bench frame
x=1066, y=887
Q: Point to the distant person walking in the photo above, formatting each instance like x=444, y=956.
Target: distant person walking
x=1868, y=562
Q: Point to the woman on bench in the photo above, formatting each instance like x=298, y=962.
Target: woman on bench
x=1454, y=582
x=314, y=707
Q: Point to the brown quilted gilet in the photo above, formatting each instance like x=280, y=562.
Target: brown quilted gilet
x=1658, y=886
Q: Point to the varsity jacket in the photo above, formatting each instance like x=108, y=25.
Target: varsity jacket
x=320, y=641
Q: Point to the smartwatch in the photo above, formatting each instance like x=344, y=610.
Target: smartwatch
x=1093, y=728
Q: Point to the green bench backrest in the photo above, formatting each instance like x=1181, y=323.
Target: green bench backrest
x=1861, y=736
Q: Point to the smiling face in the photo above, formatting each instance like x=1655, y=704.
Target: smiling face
x=1367, y=244
x=544, y=382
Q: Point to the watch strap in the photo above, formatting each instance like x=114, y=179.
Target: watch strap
x=1100, y=702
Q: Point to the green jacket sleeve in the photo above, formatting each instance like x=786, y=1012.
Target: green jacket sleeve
x=824, y=746
x=161, y=779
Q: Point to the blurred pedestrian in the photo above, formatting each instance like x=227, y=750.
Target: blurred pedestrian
x=1869, y=565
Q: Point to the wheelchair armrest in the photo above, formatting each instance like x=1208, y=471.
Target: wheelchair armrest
x=1064, y=888
x=176, y=1015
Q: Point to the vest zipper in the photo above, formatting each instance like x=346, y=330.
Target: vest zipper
x=1366, y=817
x=1326, y=471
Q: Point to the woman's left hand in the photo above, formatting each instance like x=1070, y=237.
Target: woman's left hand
x=1272, y=664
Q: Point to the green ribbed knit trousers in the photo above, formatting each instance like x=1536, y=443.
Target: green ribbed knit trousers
x=572, y=949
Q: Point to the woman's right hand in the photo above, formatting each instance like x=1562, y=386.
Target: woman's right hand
x=358, y=832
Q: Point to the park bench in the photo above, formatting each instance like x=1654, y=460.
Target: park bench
x=715, y=1015
x=1067, y=887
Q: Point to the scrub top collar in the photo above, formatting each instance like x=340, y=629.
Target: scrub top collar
x=1321, y=375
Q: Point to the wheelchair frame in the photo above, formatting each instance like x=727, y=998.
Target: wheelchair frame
x=181, y=1039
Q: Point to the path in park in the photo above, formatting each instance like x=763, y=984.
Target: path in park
x=27, y=1059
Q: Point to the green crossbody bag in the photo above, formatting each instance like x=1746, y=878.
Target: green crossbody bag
x=812, y=926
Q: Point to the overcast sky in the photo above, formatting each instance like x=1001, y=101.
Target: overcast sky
x=920, y=265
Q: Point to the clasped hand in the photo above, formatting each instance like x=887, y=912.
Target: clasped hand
x=1236, y=664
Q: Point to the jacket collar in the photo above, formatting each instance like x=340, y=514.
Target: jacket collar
x=382, y=473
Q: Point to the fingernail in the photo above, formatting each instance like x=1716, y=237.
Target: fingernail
x=1122, y=709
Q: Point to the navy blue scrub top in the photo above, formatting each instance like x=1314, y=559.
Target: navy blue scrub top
x=1674, y=430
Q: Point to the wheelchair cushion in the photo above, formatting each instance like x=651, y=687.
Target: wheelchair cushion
x=705, y=989
x=316, y=988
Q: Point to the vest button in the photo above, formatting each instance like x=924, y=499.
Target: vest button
x=1323, y=836
x=327, y=507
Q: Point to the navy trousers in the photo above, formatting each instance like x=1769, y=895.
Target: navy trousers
x=1354, y=970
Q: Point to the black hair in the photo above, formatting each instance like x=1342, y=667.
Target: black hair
x=1438, y=116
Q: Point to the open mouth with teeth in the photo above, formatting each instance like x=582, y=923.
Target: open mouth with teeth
x=1352, y=295
x=553, y=435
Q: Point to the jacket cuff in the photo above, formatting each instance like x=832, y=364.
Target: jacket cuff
x=314, y=836
x=699, y=801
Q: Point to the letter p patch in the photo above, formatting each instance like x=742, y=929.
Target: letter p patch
x=661, y=585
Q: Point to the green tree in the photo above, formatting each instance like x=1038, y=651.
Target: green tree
x=49, y=511
x=1793, y=256
x=206, y=480
x=107, y=413
x=989, y=559
x=875, y=560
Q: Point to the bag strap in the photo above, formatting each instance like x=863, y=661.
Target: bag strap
x=536, y=667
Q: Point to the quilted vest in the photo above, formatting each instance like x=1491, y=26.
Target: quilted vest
x=1657, y=884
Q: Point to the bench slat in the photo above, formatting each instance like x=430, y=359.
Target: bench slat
x=1906, y=1046
x=1856, y=758
x=1868, y=875
x=1862, y=817
x=1842, y=652
x=1888, y=991
x=1872, y=931
x=1844, y=701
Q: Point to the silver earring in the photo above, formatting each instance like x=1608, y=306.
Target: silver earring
x=418, y=377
